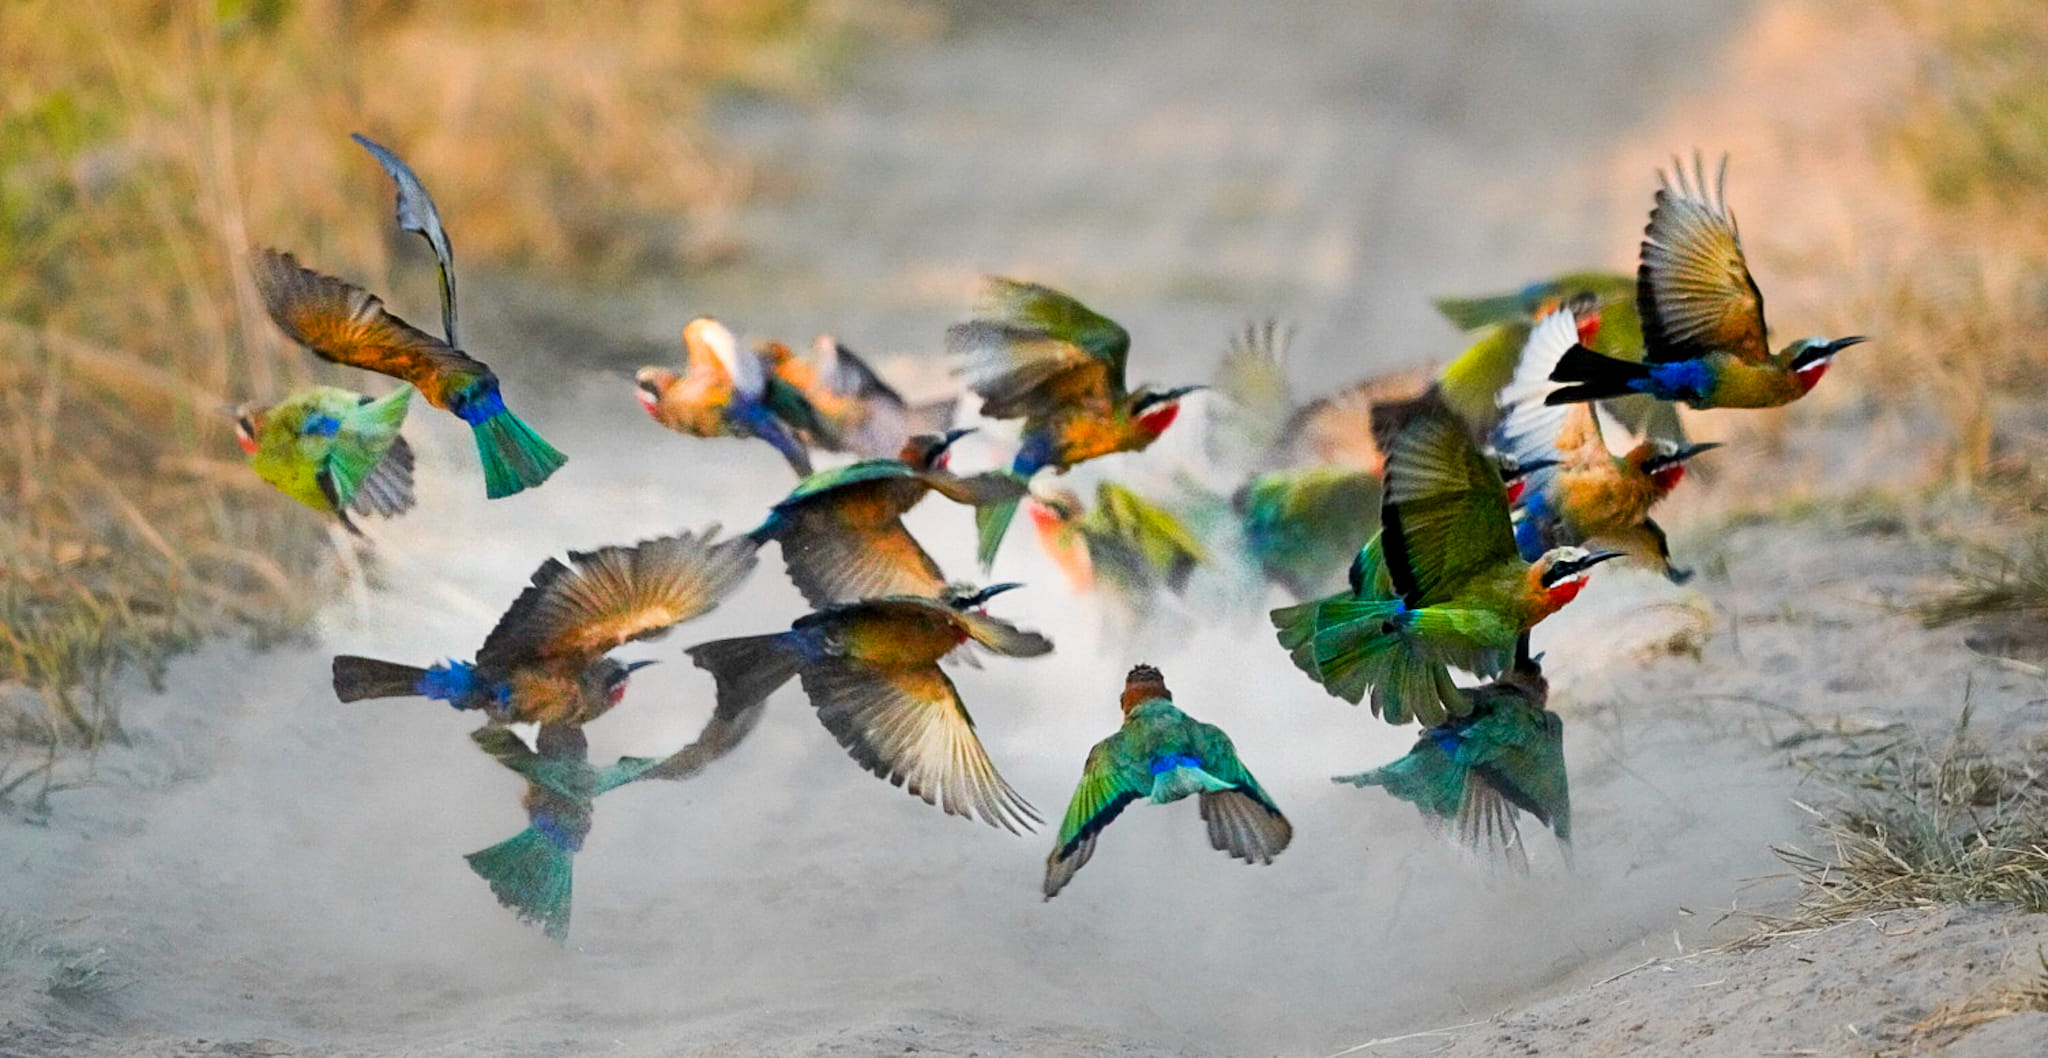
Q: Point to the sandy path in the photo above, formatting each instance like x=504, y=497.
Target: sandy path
x=272, y=874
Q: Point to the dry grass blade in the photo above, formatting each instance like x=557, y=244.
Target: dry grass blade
x=1921, y=827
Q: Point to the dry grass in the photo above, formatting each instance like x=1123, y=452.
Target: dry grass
x=1967, y=298
x=1921, y=826
x=145, y=146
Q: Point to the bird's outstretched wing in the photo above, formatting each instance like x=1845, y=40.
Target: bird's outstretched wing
x=1110, y=780
x=600, y=599
x=1243, y=820
x=1029, y=338
x=416, y=213
x=1444, y=515
x=831, y=561
x=909, y=726
x=1694, y=290
x=346, y=324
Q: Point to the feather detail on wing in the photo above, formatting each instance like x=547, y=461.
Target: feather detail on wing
x=1445, y=511
x=1110, y=781
x=601, y=599
x=1695, y=293
x=909, y=726
x=346, y=324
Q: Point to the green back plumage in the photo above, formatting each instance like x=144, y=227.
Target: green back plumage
x=791, y=406
x=1464, y=775
x=1138, y=542
x=322, y=444
x=991, y=522
x=1303, y=526
x=851, y=474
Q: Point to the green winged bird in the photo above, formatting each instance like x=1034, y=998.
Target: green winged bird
x=531, y=873
x=1302, y=526
x=1126, y=542
x=334, y=450
x=1441, y=585
x=842, y=530
x=1472, y=775
x=1163, y=754
x=1037, y=354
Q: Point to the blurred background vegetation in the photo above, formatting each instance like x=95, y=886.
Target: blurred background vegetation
x=145, y=145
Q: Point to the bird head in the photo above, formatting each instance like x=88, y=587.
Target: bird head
x=1664, y=460
x=1562, y=571
x=1515, y=473
x=1155, y=411
x=653, y=383
x=1143, y=684
x=929, y=451
x=961, y=597
x=1808, y=358
x=248, y=422
x=615, y=675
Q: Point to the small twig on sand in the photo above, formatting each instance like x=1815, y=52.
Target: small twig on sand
x=1447, y=1030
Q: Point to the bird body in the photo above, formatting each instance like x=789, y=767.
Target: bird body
x=871, y=669
x=1303, y=526
x=345, y=324
x=531, y=873
x=1039, y=355
x=1135, y=545
x=1704, y=338
x=1580, y=490
x=1442, y=584
x=842, y=530
x=1473, y=773
x=333, y=450
x=545, y=661
x=722, y=391
x=1163, y=755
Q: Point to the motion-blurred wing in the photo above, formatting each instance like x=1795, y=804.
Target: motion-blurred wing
x=614, y=595
x=1155, y=536
x=909, y=726
x=1445, y=513
x=346, y=324
x=1002, y=637
x=1694, y=290
x=1257, y=401
x=1031, y=337
x=1110, y=780
x=416, y=213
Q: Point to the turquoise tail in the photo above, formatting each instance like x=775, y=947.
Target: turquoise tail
x=1427, y=778
x=990, y=523
x=531, y=875
x=515, y=458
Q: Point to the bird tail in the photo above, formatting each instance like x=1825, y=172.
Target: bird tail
x=515, y=458
x=747, y=670
x=1351, y=645
x=991, y=521
x=531, y=874
x=1594, y=376
x=357, y=678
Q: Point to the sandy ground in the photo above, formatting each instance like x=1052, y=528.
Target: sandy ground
x=267, y=873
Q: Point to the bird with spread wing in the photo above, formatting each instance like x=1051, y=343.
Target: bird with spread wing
x=1163, y=755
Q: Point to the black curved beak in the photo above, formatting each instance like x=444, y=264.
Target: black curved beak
x=1840, y=344
x=635, y=666
x=951, y=436
x=990, y=592
x=1656, y=463
x=1524, y=469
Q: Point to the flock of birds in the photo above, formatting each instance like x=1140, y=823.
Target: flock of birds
x=1450, y=514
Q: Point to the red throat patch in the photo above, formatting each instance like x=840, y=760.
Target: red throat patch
x=1564, y=591
x=247, y=442
x=1668, y=478
x=647, y=400
x=1809, y=375
x=1155, y=422
x=1589, y=327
